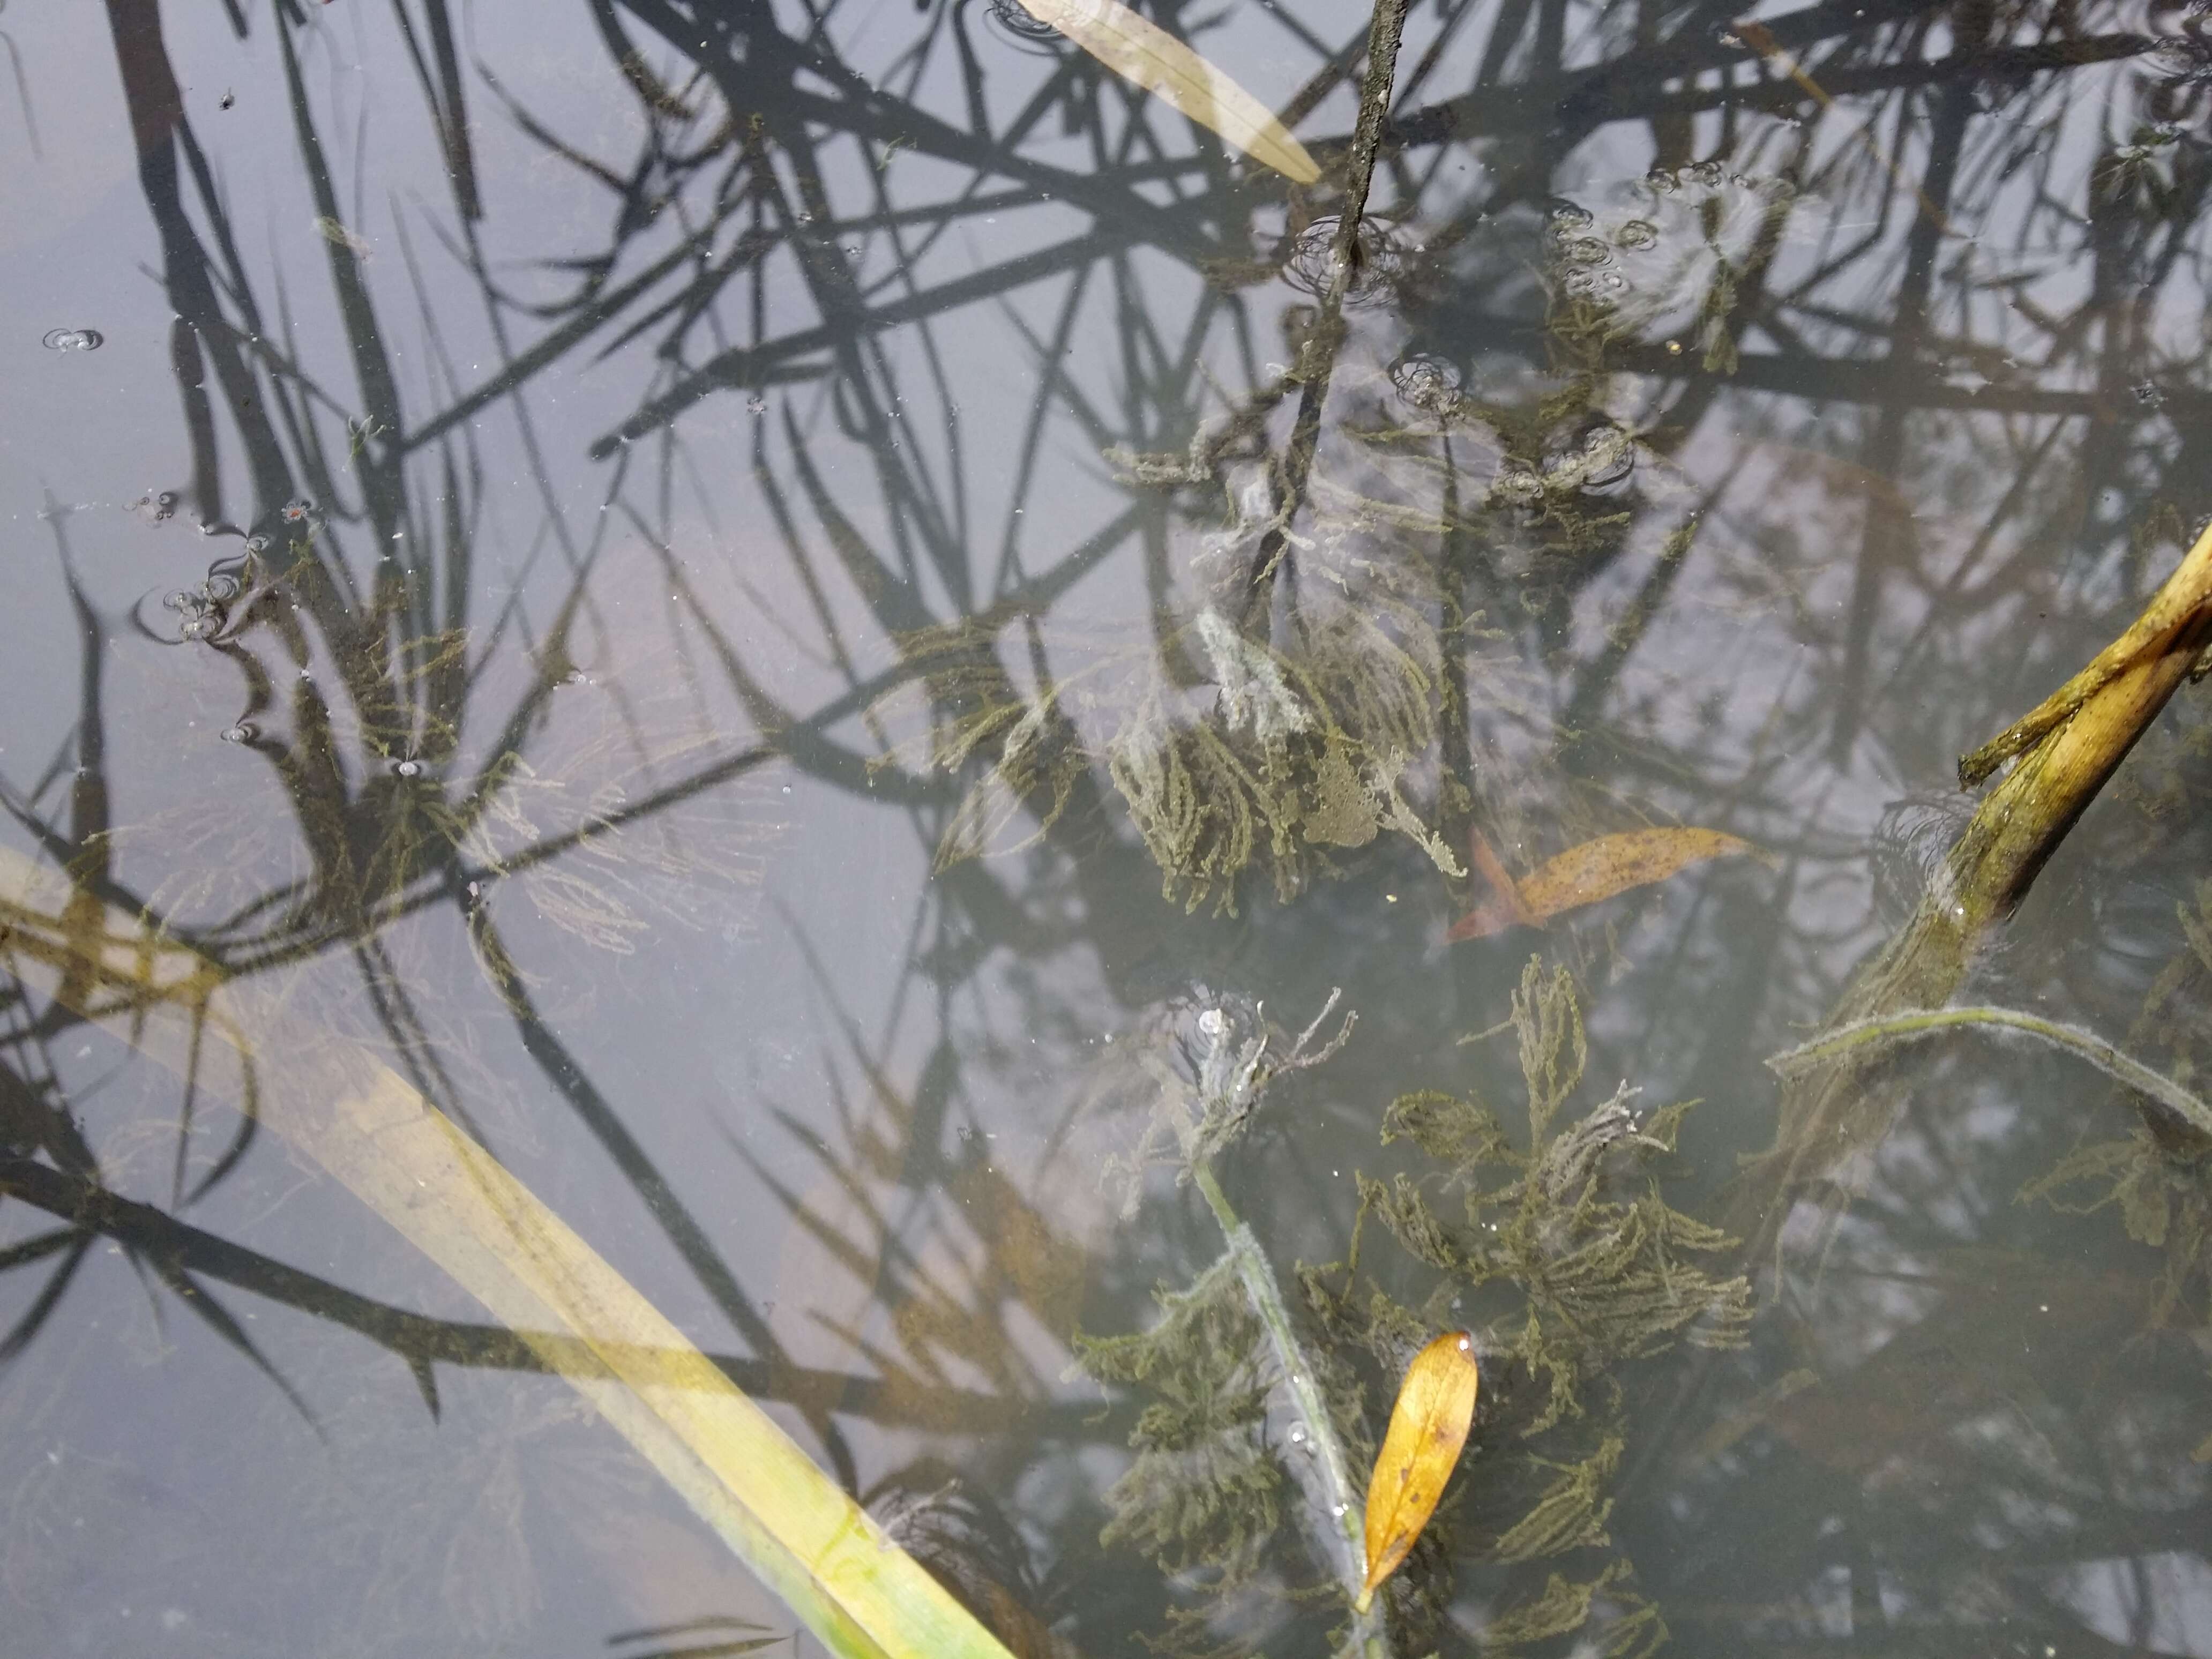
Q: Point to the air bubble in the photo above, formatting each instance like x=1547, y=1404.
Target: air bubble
x=74, y=339
x=256, y=543
x=1637, y=234
x=1030, y=33
x=408, y=768
x=1569, y=218
x=1377, y=261
x=244, y=732
x=1707, y=174
x=1587, y=251
x=1662, y=181
x=1608, y=456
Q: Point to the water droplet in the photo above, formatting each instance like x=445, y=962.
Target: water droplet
x=1637, y=234
x=244, y=732
x=408, y=768
x=74, y=339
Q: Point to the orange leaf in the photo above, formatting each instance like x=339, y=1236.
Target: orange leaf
x=1428, y=1427
x=1599, y=869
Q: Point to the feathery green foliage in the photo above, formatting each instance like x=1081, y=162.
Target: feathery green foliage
x=1568, y=1233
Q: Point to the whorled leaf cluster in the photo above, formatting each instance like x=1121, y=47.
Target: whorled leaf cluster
x=1233, y=745
x=1610, y=1271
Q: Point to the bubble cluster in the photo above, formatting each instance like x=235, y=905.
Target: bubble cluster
x=1517, y=486
x=156, y=507
x=1584, y=251
x=1600, y=458
x=74, y=339
x=1428, y=383
x=203, y=612
x=1377, y=263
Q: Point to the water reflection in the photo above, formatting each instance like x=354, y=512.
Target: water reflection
x=834, y=564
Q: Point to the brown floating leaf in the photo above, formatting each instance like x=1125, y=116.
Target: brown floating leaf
x=1597, y=870
x=1139, y=51
x=1428, y=1427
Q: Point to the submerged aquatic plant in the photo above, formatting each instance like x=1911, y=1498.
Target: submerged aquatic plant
x=1233, y=749
x=1568, y=1233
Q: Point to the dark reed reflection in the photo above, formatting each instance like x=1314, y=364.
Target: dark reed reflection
x=1147, y=571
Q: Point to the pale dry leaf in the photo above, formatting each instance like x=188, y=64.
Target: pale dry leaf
x=1141, y=51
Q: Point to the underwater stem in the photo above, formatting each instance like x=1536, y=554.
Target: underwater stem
x=1904, y=1027
x=1338, y=1497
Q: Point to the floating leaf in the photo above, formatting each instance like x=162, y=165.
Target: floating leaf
x=1139, y=51
x=1597, y=870
x=1428, y=1427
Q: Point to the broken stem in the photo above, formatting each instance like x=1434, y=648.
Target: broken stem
x=1906, y=1027
x=1317, y=356
x=1343, y=1511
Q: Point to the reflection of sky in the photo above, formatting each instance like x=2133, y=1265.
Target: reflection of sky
x=714, y=1019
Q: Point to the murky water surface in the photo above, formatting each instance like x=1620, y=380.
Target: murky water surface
x=810, y=619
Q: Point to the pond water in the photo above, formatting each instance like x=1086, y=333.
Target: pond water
x=808, y=615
